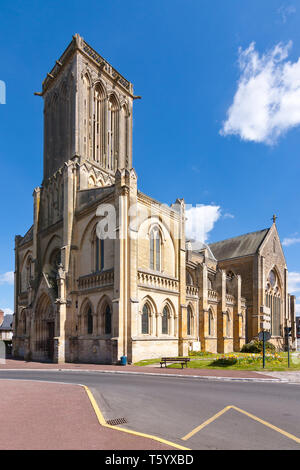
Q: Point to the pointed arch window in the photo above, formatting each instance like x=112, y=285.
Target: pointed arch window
x=273, y=301
x=87, y=116
x=107, y=320
x=165, y=321
x=99, y=124
x=89, y=318
x=113, y=133
x=145, y=319
x=29, y=270
x=189, y=321
x=155, y=250
x=189, y=279
x=99, y=254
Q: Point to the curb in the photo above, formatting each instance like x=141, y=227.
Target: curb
x=103, y=423
x=201, y=377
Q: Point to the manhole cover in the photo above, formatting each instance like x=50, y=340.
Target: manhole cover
x=116, y=421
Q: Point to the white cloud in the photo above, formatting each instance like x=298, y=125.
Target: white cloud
x=7, y=311
x=227, y=215
x=284, y=11
x=201, y=220
x=267, y=100
x=7, y=278
x=298, y=310
x=294, y=282
x=290, y=241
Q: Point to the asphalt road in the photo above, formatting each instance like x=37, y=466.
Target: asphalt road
x=172, y=407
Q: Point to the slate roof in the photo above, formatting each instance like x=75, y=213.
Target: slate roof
x=244, y=245
x=7, y=322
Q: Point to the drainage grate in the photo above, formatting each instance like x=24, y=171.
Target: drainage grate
x=116, y=421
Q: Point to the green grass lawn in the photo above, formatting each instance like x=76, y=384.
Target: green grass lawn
x=206, y=361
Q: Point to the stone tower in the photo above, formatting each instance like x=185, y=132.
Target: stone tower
x=87, y=113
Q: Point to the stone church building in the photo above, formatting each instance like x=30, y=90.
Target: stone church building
x=106, y=270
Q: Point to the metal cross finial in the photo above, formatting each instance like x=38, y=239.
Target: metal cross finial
x=274, y=218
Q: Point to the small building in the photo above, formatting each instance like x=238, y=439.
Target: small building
x=6, y=330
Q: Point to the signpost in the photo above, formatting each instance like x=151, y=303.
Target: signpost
x=264, y=336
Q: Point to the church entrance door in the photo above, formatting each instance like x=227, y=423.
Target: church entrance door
x=50, y=341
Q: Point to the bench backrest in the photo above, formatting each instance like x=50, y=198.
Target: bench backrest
x=175, y=359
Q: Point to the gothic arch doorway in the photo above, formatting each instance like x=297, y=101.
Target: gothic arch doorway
x=44, y=328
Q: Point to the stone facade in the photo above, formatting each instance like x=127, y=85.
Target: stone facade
x=105, y=270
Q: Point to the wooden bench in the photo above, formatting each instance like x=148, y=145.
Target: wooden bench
x=177, y=360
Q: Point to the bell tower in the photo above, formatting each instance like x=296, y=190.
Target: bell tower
x=87, y=113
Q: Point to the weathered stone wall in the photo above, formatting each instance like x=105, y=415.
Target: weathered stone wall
x=153, y=348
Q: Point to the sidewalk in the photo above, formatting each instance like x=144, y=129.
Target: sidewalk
x=234, y=374
x=46, y=416
x=290, y=376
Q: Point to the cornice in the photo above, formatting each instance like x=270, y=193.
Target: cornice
x=79, y=44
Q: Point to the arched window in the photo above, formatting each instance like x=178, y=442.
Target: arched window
x=273, y=301
x=210, y=323
x=189, y=279
x=89, y=317
x=29, y=273
x=86, y=116
x=113, y=132
x=54, y=261
x=99, y=124
x=165, y=321
x=99, y=253
x=189, y=321
x=107, y=320
x=145, y=319
x=155, y=250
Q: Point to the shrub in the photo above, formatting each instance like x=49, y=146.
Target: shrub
x=256, y=346
x=225, y=361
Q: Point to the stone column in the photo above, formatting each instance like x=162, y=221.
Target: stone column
x=182, y=333
x=60, y=324
x=158, y=323
x=221, y=310
x=119, y=343
x=132, y=259
x=202, y=280
x=237, y=313
x=172, y=325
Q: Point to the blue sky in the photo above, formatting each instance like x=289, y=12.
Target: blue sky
x=218, y=123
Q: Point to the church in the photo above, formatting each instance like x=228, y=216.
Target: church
x=106, y=271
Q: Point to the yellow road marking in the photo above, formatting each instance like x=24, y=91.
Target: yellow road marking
x=128, y=431
x=210, y=420
x=217, y=415
x=269, y=425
